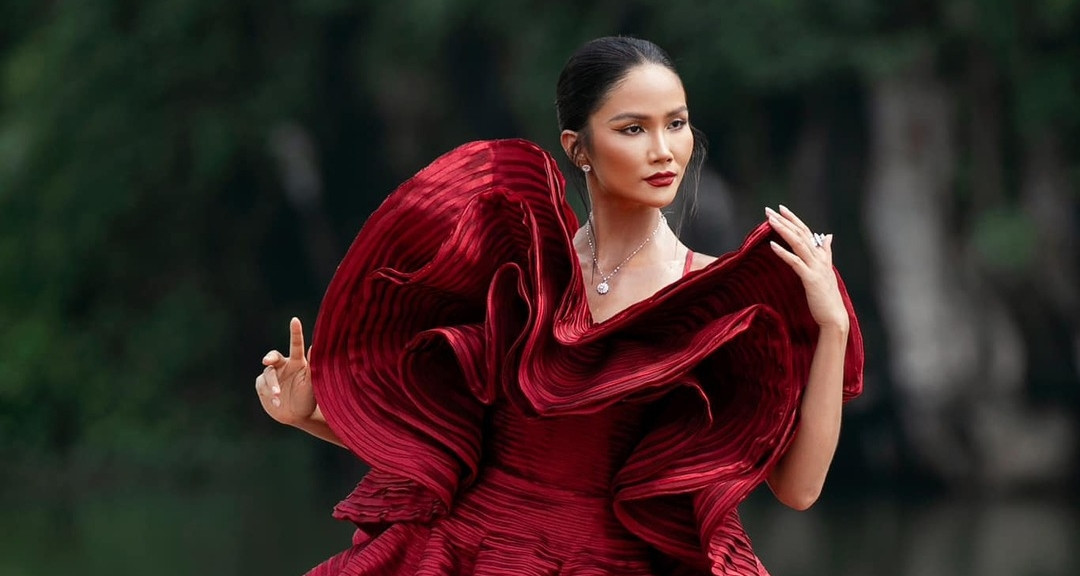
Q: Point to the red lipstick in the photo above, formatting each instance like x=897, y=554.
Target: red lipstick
x=661, y=179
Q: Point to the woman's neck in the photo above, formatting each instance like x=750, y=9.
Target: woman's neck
x=617, y=231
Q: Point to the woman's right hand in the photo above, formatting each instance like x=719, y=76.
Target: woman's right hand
x=284, y=387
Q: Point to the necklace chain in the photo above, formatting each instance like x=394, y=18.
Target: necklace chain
x=603, y=287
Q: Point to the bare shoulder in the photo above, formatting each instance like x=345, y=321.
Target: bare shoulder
x=701, y=261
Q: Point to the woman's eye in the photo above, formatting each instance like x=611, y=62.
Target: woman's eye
x=676, y=124
x=635, y=129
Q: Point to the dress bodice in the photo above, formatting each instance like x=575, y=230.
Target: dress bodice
x=580, y=453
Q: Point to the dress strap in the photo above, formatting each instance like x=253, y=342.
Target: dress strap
x=689, y=262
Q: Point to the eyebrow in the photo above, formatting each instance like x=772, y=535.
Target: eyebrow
x=639, y=116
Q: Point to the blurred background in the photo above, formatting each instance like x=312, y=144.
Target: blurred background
x=179, y=177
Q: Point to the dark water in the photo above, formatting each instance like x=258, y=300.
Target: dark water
x=269, y=515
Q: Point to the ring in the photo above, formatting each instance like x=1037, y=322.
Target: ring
x=819, y=240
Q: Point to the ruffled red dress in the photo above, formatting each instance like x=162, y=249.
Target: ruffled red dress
x=507, y=432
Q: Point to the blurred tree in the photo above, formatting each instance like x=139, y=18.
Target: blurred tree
x=132, y=219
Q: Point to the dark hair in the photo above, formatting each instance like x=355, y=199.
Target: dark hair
x=591, y=73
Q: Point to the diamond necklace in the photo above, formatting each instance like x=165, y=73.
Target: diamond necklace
x=603, y=287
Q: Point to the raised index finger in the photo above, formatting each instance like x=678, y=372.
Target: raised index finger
x=296, y=340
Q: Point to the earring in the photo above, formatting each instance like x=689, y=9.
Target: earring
x=586, y=168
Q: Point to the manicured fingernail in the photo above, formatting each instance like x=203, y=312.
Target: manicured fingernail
x=769, y=210
x=782, y=207
x=276, y=389
x=276, y=401
x=266, y=358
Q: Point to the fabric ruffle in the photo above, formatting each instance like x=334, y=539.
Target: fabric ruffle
x=423, y=550
x=463, y=288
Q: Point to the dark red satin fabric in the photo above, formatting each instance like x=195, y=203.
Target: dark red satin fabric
x=507, y=432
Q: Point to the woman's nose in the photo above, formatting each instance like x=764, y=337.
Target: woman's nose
x=660, y=151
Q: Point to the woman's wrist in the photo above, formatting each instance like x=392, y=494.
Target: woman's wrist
x=316, y=425
x=309, y=422
x=303, y=423
x=835, y=328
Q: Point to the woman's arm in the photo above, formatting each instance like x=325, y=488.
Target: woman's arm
x=798, y=477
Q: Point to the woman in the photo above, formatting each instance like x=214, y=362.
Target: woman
x=536, y=397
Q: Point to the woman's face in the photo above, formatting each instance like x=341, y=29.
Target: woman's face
x=641, y=140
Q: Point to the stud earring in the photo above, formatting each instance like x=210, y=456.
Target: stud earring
x=586, y=168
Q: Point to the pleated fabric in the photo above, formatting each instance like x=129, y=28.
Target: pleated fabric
x=509, y=433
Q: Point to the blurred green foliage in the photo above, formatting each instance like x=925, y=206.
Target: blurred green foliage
x=148, y=251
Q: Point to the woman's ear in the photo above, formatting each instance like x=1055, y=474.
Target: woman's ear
x=570, y=145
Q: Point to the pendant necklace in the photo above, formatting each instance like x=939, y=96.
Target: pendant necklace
x=604, y=286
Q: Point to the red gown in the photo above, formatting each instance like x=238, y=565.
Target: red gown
x=508, y=433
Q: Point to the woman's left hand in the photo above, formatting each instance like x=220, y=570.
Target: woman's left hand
x=813, y=264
